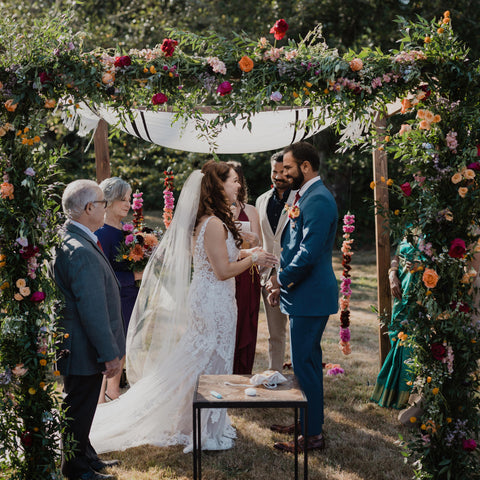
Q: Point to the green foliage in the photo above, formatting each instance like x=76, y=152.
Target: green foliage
x=49, y=64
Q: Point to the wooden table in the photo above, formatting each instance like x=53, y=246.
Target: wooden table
x=285, y=395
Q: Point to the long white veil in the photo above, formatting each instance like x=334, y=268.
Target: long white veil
x=160, y=316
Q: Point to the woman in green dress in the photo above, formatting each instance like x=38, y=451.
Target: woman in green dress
x=391, y=388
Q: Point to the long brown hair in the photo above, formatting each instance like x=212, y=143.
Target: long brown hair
x=242, y=196
x=213, y=199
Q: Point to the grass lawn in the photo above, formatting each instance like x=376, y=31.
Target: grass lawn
x=361, y=437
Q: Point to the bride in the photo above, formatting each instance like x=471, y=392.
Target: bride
x=179, y=328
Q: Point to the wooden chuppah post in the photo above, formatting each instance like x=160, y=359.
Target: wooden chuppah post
x=102, y=156
x=382, y=239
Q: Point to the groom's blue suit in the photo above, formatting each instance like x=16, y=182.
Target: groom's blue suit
x=309, y=291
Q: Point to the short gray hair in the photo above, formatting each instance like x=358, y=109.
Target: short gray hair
x=114, y=188
x=77, y=195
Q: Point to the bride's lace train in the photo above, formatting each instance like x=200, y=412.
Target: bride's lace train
x=157, y=410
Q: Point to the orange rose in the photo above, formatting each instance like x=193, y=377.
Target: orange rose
x=50, y=103
x=356, y=64
x=429, y=116
x=462, y=191
x=406, y=105
x=421, y=114
x=108, y=78
x=469, y=174
x=150, y=239
x=424, y=125
x=430, y=278
x=457, y=178
x=10, y=106
x=437, y=118
x=245, y=64
x=405, y=128
x=6, y=190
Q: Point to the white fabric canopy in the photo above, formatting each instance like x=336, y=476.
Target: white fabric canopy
x=270, y=130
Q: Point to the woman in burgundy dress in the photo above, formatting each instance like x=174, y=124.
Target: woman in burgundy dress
x=248, y=283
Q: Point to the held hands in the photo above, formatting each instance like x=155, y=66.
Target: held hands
x=112, y=368
x=261, y=257
x=273, y=289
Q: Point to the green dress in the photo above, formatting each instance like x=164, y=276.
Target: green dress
x=391, y=389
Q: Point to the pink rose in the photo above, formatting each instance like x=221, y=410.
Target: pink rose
x=406, y=189
x=279, y=29
x=457, y=248
x=38, y=296
x=129, y=239
x=469, y=445
x=159, y=99
x=168, y=46
x=224, y=88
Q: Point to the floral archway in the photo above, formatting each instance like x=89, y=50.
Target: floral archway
x=438, y=147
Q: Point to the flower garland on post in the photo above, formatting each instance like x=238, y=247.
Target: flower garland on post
x=169, y=198
x=137, y=207
x=345, y=288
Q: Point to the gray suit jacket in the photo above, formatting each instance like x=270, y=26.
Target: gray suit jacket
x=92, y=314
x=271, y=241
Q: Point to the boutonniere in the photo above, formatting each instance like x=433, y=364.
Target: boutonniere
x=292, y=211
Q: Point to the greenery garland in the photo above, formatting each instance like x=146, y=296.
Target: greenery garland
x=437, y=196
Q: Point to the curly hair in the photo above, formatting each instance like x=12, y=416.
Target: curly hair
x=213, y=200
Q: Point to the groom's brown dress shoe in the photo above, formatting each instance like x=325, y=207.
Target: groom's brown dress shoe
x=288, y=429
x=314, y=442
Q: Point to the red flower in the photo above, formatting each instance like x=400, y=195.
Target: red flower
x=469, y=445
x=457, y=248
x=159, y=99
x=168, y=46
x=475, y=165
x=27, y=439
x=406, y=188
x=123, y=61
x=29, y=252
x=279, y=29
x=438, y=350
x=224, y=88
x=44, y=77
x=38, y=297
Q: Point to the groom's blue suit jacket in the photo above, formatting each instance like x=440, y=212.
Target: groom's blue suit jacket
x=309, y=286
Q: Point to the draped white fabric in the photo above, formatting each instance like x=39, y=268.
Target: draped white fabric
x=270, y=130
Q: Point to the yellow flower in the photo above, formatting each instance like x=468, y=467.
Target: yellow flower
x=435, y=390
x=457, y=178
x=56, y=373
x=309, y=84
x=145, y=70
x=372, y=185
x=449, y=420
x=440, y=30
x=4, y=285
x=446, y=14
x=409, y=383
x=10, y=106
x=389, y=182
x=427, y=39
x=36, y=139
x=326, y=90
x=20, y=283
x=413, y=419
x=446, y=20
x=41, y=385
x=32, y=391
x=66, y=335
x=429, y=379
x=42, y=362
x=397, y=212
x=423, y=426
x=462, y=191
x=382, y=179
x=152, y=69
x=295, y=95
x=387, y=138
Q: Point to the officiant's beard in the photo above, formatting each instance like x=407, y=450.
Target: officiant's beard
x=296, y=181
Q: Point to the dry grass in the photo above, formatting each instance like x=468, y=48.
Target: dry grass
x=361, y=437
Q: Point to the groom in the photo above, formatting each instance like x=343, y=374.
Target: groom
x=306, y=287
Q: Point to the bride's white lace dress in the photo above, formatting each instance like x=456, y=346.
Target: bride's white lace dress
x=157, y=410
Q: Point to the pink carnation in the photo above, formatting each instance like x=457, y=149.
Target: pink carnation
x=344, y=334
x=224, y=88
x=469, y=445
x=127, y=227
x=129, y=239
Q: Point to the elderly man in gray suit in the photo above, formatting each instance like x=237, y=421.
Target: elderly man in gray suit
x=273, y=218
x=94, y=339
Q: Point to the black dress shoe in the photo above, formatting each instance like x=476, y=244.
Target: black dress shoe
x=102, y=464
x=314, y=442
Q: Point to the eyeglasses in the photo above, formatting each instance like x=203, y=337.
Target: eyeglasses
x=104, y=202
